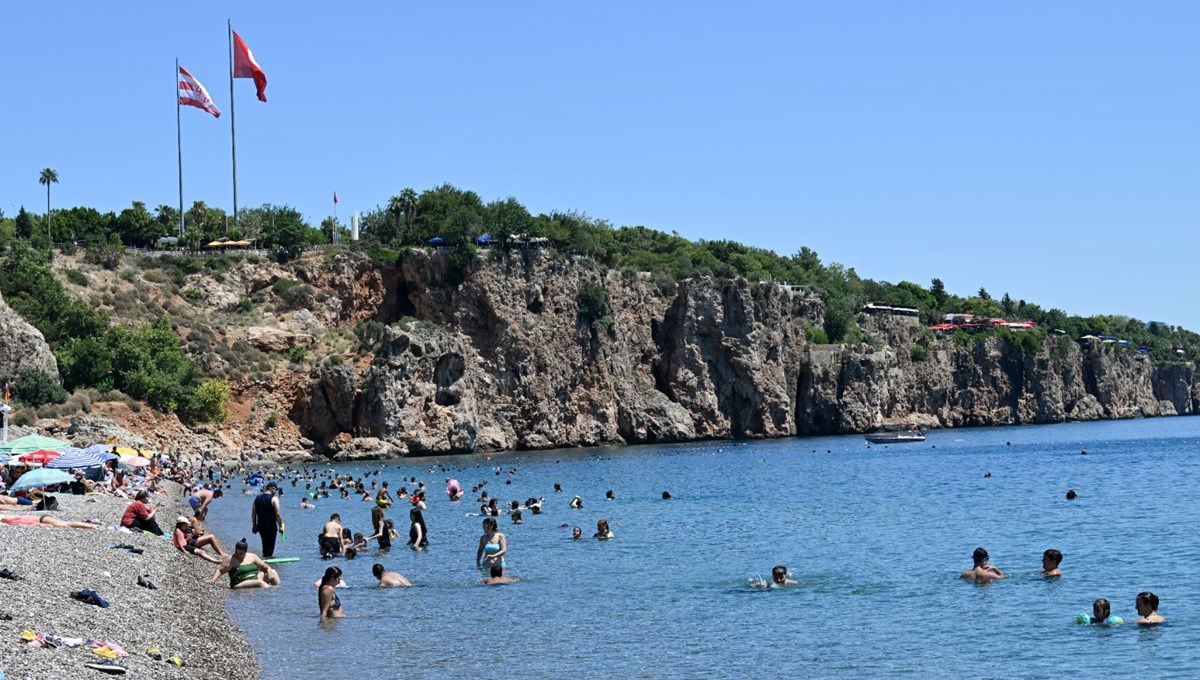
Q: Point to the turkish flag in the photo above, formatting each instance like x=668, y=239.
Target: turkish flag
x=244, y=66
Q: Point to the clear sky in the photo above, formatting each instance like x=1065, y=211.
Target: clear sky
x=1043, y=149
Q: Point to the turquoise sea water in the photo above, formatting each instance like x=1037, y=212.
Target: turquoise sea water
x=877, y=535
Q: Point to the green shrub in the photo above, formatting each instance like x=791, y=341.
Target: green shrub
x=245, y=305
x=210, y=400
x=129, y=274
x=369, y=334
x=272, y=420
x=919, y=353
x=77, y=277
x=298, y=353
x=460, y=263
x=35, y=387
x=193, y=294
x=592, y=299
x=282, y=287
x=815, y=335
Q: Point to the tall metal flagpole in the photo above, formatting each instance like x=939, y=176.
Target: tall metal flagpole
x=232, y=127
x=179, y=147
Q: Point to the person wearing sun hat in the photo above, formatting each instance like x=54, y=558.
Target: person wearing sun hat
x=266, y=519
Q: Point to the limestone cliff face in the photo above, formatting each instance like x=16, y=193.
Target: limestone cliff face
x=503, y=361
x=22, y=347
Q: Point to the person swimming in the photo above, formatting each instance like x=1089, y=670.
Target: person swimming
x=1050, y=561
x=1147, y=609
x=577, y=503
x=1101, y=615
x=603, y=533
x=779, y=577
x=576, y=534
x=982, y=571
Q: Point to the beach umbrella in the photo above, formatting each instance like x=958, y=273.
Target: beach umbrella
x=135, y=461
x=436, y=240
x=99, y=450
x=5, y=459
x=77, y=459
x=40, y=478
x=39, y=457
x=33, y=442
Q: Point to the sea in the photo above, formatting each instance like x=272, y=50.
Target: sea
x=876, y=536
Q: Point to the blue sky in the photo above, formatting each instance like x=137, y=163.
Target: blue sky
x=1043, y=149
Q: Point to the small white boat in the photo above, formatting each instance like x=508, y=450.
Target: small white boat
x=912, y=434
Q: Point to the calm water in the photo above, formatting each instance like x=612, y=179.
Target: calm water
x=877, y=535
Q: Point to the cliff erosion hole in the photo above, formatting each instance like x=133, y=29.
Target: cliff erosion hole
x=450, y=369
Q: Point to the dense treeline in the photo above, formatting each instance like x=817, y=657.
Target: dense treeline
x=458, y=217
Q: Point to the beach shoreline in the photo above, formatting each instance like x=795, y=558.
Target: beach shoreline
x=184, y=616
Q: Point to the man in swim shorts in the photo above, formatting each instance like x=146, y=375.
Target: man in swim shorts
x=200, y=499
x=330, y=541
x=244, y=570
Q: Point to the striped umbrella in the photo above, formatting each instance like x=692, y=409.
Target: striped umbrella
x=102, y=450
x=77, y=459
x=33, y=442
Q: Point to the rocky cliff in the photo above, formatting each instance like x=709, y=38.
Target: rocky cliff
x=497, y=357
x=23, y=347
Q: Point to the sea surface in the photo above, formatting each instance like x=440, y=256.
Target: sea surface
x=877, y=536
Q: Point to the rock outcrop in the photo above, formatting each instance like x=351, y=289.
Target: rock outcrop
x=23, y=347
x=503, y=360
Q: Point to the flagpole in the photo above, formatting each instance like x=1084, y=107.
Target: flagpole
x=179, y=148
x=232, y=127
x=333, y=236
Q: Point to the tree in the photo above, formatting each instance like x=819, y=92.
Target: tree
x=408, y=205
x=49, y=176
x=1007, y=304
x=138, y=227
x=24, y=223
x=938, y=289
x=331, y=226
x=983, y=294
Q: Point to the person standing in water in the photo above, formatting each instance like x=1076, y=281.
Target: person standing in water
x=418, y=539
x=383, y=528
x=982, y=571
x=492, y=546
x=603, y=533
x=1147, y=609
x=266, y=519
x=328, y=602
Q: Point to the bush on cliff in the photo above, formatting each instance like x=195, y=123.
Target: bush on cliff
x=35, y=387
x=592, y=299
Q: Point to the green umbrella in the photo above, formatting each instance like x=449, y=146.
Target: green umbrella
x=31, y=443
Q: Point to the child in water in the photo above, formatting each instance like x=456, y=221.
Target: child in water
x=1101, y=615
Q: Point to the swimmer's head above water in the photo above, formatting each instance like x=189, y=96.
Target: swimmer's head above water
x=980, y=557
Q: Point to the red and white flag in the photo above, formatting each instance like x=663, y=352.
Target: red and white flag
x=244, y=66
x=192, y=93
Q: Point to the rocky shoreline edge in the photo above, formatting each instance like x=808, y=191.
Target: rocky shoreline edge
x=184, y=616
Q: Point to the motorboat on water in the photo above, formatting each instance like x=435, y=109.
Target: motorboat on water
x=912, y=434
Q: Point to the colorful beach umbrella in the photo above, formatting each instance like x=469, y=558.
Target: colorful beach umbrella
x=134, y=461
x=31, y=443
x=40, y=478
x=39, y=457
x=77, y=459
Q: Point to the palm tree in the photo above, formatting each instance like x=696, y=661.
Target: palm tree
x=49, y=176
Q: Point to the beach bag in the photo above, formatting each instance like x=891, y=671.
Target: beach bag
x=48, y=503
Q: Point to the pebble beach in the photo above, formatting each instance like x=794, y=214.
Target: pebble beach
x=183, y=617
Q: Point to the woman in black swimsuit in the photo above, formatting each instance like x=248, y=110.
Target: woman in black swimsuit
x=327, y=599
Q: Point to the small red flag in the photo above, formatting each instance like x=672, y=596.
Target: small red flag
x=244, y=66
x=335, y=197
